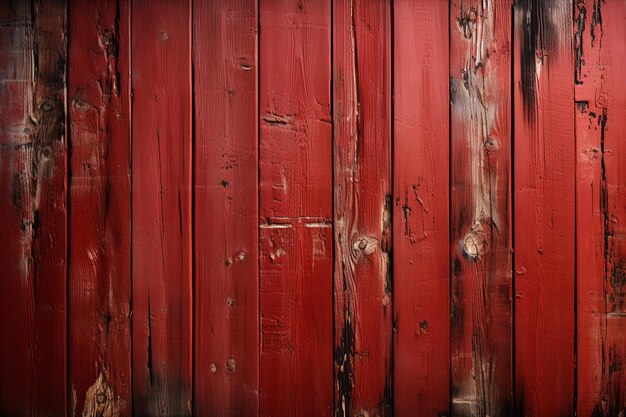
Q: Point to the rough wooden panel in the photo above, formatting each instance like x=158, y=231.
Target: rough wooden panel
x=544, y=208
x=481, y=340
x=421, y=242
x=33, y=152
x=99, y=203
x=296, y=132
x=296, y=193
x=362, y=204
x=600, y=30
x=296, y=318
x=161, y=207
x=226, y=369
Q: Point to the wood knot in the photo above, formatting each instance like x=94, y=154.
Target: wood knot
x=365, y=245
x=230, y=365
x=475, y=242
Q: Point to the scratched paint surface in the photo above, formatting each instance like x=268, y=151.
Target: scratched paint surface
x=312, y=207
x=600, y=94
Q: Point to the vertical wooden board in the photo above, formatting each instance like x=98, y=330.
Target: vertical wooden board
x=161, y=207
x=295, y=164
x=481, y=307
x=544, y=208
x=362, y=205
x=600, y=30
x=421, y=209
x=226, y=369
x=296, y=317
x=99, y=204
x=33, y=154
x=295, y=127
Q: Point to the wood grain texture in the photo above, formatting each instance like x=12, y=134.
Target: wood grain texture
x=295, y=163
x=600, y=94
x=421, y=241
x=481, y=329
x=226, y=369
x=544, y=208
x=362, y=204
x=99, y=202
x=161, y=207
x=33, y=226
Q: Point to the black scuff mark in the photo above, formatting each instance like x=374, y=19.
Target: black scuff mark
x=596, y=20
x=344, y=359
x=539, y=36
x=578, y=41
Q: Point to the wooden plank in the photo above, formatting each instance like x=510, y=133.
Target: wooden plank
x=421, y=242
x=161, y=207
x=99, y=201
x=362, y=203
x=481, y=307
x=295, y=162
x=600, y=30
x=226, y=369
x=296, y=317
x=33, y=152
x=544, y=208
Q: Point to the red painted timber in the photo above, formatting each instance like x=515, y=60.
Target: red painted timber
x=481, y=328
x=99, y=224
x=33, y=152
x=296, y=317
x=161, y=207
x=226, y=367
x=544, y=208
x=295, y=160
x=600, y=30
x=362, y=218
x=421, y=243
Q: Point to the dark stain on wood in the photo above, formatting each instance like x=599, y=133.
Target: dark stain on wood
x=538, y=39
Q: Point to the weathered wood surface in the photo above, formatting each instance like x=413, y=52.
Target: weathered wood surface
x=298, y=207
x=544, y=208
x=33, y=209
x=99, y=202
x=295, y=160
x=226, y=365
x=600, y=94
x=362, y=207
x=480, y=218
x=161, y=208
x=421, y=236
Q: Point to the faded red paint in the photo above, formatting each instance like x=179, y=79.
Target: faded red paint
x=362, y=205
x=99, y=188
x=480, y=217
x=33, y=209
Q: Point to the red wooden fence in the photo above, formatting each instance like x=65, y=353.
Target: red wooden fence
x=312, y=208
